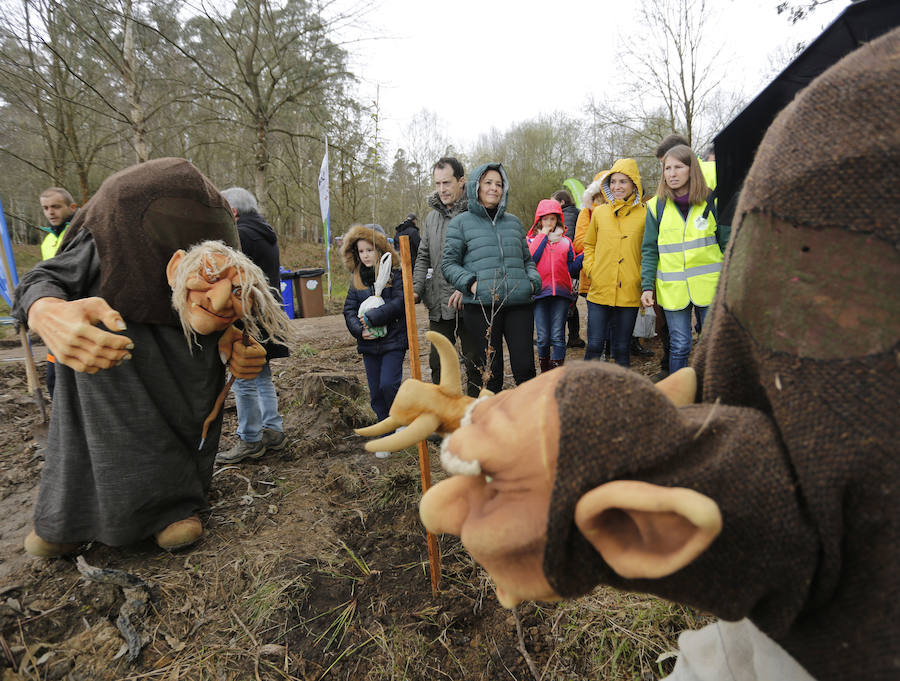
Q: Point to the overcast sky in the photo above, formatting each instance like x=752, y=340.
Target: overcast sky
x=479, y=64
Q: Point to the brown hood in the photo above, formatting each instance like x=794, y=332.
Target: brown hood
x=138, y=218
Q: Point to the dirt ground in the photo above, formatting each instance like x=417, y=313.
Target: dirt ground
x=313, y=565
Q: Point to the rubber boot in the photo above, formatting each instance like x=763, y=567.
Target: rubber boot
x=638, y=349
x=545, y=363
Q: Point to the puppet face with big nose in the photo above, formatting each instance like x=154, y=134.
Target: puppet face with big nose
x=500, y=513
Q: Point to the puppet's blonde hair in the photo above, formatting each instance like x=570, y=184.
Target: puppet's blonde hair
x=263, y=315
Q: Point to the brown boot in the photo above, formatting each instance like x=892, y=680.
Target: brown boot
x=556, y=363
x=180, y=534
x=35, y=546
x=545, y=363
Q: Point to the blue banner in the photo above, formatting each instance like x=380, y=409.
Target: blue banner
x=5, y=288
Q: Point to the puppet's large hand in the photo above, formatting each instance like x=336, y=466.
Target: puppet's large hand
x=245, y=361
x=68, y=327
x=501, y=513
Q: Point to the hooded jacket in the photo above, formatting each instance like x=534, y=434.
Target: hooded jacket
x=433, y=289
x=492, y=252
x=554, y=261
x=409, y=228
x=612, y=243
x=593, y=197
x=260, y=243
x=392, y=314
x=570, y=219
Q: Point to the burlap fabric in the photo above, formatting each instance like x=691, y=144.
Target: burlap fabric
x=798, y=425
x=139, y=217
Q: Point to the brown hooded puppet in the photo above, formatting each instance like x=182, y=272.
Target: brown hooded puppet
x=140, y=370
x=765, y=486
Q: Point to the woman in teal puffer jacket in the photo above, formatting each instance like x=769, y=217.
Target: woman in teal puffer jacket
x=487, y=259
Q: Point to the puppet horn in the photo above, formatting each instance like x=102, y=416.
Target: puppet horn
x=380, y=428
x=451, y=381
x=422, y=427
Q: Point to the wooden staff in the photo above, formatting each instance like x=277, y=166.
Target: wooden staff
x=34, y=387
x=415, y=370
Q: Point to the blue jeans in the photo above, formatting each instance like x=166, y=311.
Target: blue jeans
x=257, y=405
x=550, y=324
x=679, y=322
x=384, y=373
x=598, y=321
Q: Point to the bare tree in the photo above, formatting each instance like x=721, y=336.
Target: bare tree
x=677, y=67
x=798, y=11
x=262, y=63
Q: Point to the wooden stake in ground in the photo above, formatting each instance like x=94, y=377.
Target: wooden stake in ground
x=415, y=370
x=34, y=388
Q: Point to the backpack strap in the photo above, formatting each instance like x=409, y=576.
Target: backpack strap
x=660, y=207
x=711, y=206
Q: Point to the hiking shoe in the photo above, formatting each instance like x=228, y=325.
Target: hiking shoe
x=241, y=450
x=40, y=548
x=180, y=534
x=273, y=439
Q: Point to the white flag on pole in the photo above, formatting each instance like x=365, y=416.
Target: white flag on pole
x=325, y=206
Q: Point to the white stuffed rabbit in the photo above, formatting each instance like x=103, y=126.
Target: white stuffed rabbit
x=370, y=303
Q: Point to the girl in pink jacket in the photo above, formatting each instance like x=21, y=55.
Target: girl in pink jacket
x=556, y=262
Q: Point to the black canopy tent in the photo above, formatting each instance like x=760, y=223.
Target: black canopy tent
x=736, y=144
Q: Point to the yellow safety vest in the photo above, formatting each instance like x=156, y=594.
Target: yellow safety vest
x=51, y=242
x=690, y=259
x=708, y=168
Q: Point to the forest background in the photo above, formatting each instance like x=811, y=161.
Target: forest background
x=248, y=90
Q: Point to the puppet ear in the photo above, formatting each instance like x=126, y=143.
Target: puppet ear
x=647, y=531
x=174, y=262
x=680, y=387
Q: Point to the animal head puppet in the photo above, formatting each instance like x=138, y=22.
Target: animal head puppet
x=768, y=488
x=422, y=407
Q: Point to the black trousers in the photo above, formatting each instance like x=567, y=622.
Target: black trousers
x=512, y=323
x=453, y=329
x=574, y=321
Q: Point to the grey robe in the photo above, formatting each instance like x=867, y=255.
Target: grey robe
x=122, y=459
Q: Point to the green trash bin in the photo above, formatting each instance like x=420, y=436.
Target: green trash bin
x=308, y=298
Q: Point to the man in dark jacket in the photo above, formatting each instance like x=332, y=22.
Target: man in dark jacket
x=570, y=217
x=444, y=303
x=410, y=228
x=260, y=427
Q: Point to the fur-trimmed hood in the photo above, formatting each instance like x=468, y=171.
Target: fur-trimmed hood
x=351, y=256
x=594, y=191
